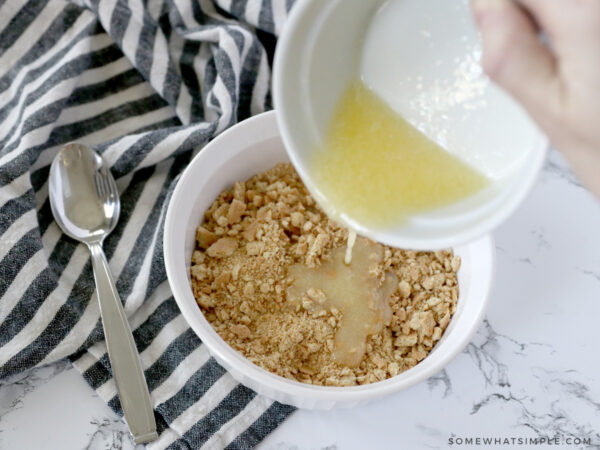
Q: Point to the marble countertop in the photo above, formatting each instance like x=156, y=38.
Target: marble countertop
x=532, y=370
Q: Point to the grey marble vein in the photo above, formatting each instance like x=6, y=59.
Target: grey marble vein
x=484, y=356
x=111, y=434
x=15, y=388
x=539, y=235
x=557, y=167
x=526, y=261
x=441, y=379
x=589, y=273
x=568, y=409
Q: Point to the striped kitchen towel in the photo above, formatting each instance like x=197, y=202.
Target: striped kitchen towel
x=146, y=83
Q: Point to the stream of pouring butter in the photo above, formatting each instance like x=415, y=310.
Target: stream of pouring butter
x=349, y=246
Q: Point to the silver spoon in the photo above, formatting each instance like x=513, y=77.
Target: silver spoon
x=85, y=204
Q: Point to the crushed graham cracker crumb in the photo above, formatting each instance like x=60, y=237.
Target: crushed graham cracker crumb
x=253, y=233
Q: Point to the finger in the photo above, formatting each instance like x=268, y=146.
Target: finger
x=515, y=58
x=571, y=22
x=573, y=27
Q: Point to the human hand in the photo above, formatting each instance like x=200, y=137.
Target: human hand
x=558, y=84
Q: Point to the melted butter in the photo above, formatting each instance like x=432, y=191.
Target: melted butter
x=350, y=246
x=355, y=290
x=377, y=169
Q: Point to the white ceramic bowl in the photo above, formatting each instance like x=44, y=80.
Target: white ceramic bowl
x=421, y=57
x=239, y=153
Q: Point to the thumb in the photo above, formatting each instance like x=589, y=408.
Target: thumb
x=515, y=58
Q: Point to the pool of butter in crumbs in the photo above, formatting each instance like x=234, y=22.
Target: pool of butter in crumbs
x=250, y=237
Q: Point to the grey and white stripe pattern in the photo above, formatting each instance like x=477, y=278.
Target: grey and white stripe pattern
x=146, y=83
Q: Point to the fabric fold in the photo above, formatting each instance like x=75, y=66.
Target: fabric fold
x=146, y=84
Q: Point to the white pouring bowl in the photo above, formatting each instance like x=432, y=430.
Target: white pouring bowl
x=421, y=57
x=244, y=150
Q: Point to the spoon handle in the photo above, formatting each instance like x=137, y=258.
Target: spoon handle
x=122, y=352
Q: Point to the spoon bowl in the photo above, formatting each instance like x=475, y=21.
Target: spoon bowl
x=83, y=193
